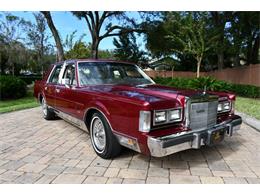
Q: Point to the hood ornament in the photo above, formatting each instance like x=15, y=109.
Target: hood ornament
x=204, y=90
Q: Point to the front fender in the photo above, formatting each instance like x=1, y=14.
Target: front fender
x=99, y=106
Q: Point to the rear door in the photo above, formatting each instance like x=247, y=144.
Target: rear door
x=66, y=93
x=50, y=86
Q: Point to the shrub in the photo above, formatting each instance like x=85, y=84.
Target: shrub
x=201, y=82
x=30, y=79
x=175, y=82
x=212, y=85
x=246, y=90
x=11, y=87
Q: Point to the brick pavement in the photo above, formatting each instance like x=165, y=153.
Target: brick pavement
x=33, y=150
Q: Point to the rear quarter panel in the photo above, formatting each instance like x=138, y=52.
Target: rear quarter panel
x=39, y=84
x=37, y=88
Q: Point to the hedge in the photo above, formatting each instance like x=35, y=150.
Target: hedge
x=212, y=85
x=30, y=79
x=11, y=87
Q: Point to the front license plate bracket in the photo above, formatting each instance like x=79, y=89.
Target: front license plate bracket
x=216, y=136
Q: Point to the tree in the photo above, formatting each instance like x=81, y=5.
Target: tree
x=182, y=35
x=12, y=49
x=79, y=50
x=55, y=34
x=38, y=40
x=155, y=31
x=127, y=49
x=192, y=37
x=95, y=20
x=70, y=40
x=245, y=36
x=106, y=54
x=219, y=21
x=3, y=56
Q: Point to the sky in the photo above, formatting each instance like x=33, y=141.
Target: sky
x=66, y=23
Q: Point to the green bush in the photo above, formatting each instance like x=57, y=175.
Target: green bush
x=175, y=82
x=246, y=90
x=30, y=79
x=12, y=87
x=212, y=85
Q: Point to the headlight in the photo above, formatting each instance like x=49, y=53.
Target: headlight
x=167, y=116
x=175, y=114
x=224, y=106
x=145, y=121
x=160, y=116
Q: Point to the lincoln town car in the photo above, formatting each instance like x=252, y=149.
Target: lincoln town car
x=120, y=106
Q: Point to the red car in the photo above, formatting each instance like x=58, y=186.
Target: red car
x=119, y=105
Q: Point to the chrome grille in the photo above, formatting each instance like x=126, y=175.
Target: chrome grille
x=203, y=115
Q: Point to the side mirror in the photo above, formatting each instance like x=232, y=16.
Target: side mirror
x=65, y=82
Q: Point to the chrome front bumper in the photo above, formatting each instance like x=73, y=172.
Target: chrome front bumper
x=163, y=146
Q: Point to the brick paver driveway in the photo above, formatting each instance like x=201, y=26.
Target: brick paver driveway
x=33, y=150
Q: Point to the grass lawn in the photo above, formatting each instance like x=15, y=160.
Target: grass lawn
x=13, y=105
x=248, y=106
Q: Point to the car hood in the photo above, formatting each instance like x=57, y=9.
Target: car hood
x=146, y=93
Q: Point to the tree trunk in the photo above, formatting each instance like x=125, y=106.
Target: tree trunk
x=13, y=69
x=172, y=71
x=249, y=49
x=55, y=34
x=219, y=23
x=220, y=60
x=199, y=59
x=94, y=48
x=255, y=51
x=237, y=59
x=2, y=69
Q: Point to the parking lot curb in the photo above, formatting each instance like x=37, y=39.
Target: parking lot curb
x=251, y=121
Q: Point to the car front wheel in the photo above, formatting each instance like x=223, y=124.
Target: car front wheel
x=103, y=140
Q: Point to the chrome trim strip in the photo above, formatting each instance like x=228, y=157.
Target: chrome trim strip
x=73, y=120
x=203, y=98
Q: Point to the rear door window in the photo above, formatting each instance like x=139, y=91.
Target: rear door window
x=54, y=78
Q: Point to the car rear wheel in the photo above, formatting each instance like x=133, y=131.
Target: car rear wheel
x=48, y=114
x=103, y=140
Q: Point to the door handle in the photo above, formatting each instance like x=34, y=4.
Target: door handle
x=58, y=90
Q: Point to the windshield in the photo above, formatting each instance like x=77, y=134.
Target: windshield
x=96, y=73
